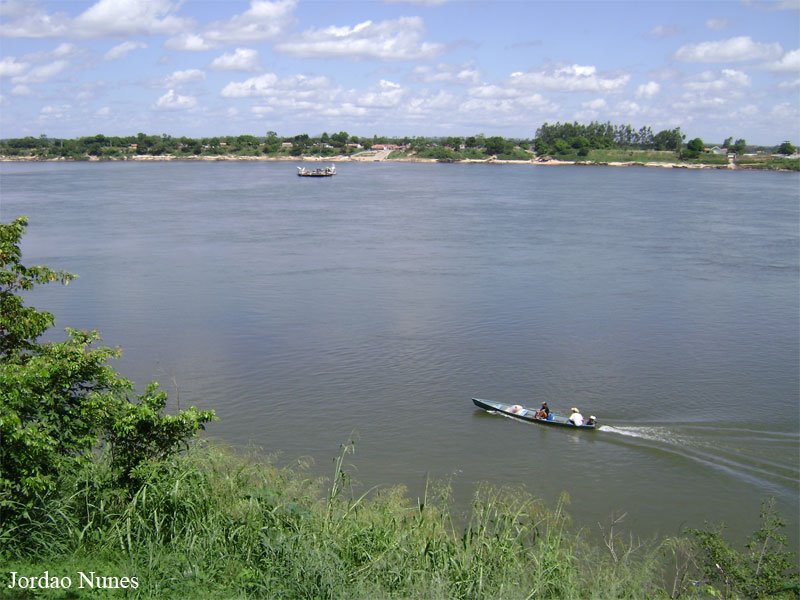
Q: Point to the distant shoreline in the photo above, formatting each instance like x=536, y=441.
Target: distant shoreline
x=356, y=158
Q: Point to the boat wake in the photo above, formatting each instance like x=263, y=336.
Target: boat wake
x=721, y=449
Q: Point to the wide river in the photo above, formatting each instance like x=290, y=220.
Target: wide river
x=375, y=304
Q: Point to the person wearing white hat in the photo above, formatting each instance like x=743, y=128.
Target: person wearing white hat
x=576, y=417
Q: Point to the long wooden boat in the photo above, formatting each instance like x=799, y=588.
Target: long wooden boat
x=528, y=414
x=321, y=172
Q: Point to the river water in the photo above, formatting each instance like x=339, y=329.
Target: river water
x=375, y=304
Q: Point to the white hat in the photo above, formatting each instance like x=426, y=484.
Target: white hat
x=575, y=409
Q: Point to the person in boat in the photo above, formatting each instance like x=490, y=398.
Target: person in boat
x=592, y=420
x=576, y=418
x=543, y=412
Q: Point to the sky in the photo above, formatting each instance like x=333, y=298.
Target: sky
x=203, y=68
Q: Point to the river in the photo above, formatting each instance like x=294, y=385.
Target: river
x=375, y=304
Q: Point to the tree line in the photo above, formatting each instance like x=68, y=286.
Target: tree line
x=563, y=140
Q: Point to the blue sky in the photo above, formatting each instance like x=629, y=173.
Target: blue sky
x=398, y=67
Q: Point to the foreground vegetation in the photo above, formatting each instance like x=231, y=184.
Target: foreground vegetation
x=94, y=482
x=595, y=142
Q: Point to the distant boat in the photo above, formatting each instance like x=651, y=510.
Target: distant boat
x=528, y=414
x=321, y=172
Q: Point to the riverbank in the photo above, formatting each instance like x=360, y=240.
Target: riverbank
x=414, y=159
x=218, y=524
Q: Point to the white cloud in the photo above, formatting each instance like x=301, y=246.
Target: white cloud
x=54, y=112
x=386, y=95
x=179, y=78
x=664, y=31
x=788, y=63
x=466, y=74
x=104, y=18
x=103, y=112
x=189, y=42
x=255, y=86
x=123, y=49
x=27, y=20
x=726, y=80
x=287, y=92
x=42, y=73
x=129, y=17
x=735, y=49
x=716, y=24
x=574, y=78
x=400, y=39
x=9, y=67
x=173, y=101
x=596, y=104
x=264, y=20
x=648, y=90
x=628, y=108
x=65, y=50
x=491, y=91
x=242, y=59
x=21, y=90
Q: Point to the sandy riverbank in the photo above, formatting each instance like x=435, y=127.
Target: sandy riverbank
x=357, y=158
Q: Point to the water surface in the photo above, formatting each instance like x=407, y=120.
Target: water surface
x=376, y=303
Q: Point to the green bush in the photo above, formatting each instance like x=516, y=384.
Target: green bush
x=61, y=403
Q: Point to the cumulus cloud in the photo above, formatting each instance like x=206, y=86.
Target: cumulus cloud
x=123, y=50
x=736, y=49
x=10, y=67
x=42, y=73
x=716, y=24
x=574, y=78
x=466, y=74
x=179, y=78
x=242, y=59
x=255, y=86
x=189, y=42
x=385, y=95
x=58, y=112
x=287, y=92
x=596, y=104
x=399, y=39
x=727, y=79
x=174, y=101
x=104, y=18
x=648, y=90
x=664, y=31
x=129, y=17
x=264, y=20
x=788, y=63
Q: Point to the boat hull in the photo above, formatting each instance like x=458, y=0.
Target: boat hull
x=528, y=414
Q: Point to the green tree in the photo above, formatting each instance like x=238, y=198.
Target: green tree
x=60, y=402
x=696, y=145
x=764, y=570
x=497, y=145
x=738, y=147
x=669, y=139
x=787, y=148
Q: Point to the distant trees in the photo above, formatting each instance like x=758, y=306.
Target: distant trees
x=565, y=140
x=738, y=147
x=576, y=138
x=669, y=139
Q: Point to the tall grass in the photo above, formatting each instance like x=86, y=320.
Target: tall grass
x=219, y=524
